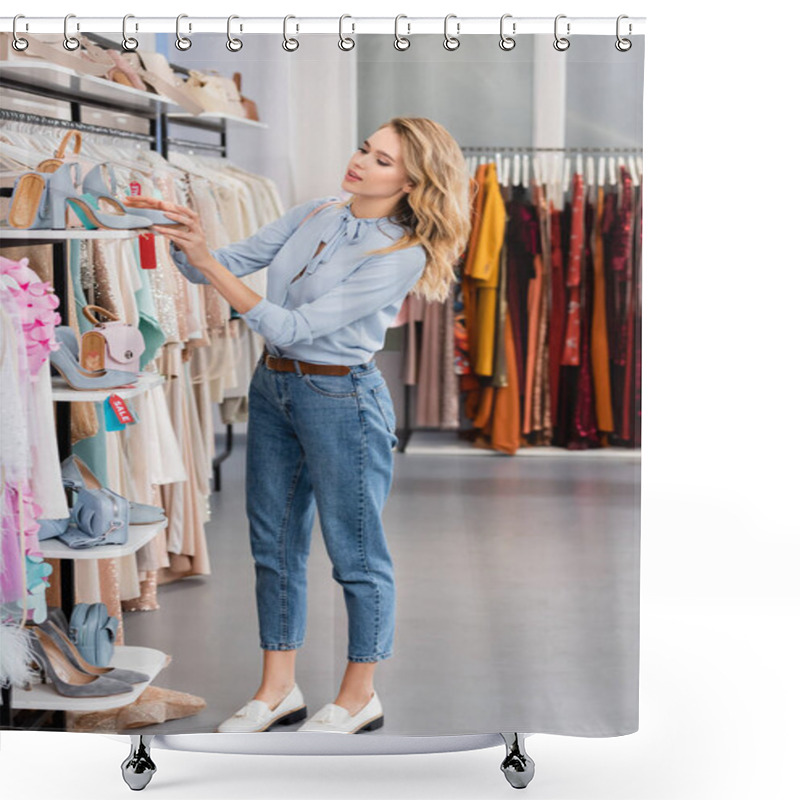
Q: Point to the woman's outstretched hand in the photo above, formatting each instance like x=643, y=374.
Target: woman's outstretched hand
x=188, y=234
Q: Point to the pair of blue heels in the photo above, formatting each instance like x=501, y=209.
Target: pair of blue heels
x=65, y=360
x=98, y=515
x=42, y=200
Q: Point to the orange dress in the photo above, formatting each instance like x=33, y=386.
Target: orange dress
x=599, y=347
x=484, y=270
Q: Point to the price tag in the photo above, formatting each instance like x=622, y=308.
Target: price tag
x=120, y=409
x=147, y=241
x=147, y=250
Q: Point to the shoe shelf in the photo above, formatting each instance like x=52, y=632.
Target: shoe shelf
x=57, y=80
x=63, y=393
x=44, y=697
x=138, y=536
x=208, y=118
x=68, y=233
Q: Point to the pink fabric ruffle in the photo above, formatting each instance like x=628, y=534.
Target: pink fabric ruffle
x=12, y=575
x=37, y=303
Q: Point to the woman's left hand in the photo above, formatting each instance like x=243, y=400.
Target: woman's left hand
x=188, y=234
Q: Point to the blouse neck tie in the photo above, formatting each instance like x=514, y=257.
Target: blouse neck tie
x=345, y=226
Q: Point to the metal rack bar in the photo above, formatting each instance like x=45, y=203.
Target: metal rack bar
x=85, y=127
x=507, y=149
x=218, y=148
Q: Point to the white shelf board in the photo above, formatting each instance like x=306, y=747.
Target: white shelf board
x=138, y=536
x=63, y=393
x=211, y=116
x=43, y=696
x=67, y=233
x=43, y=74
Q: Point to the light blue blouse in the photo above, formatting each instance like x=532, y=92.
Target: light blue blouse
x=338, y=311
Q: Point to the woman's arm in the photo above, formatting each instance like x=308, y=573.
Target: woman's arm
x=193, y=257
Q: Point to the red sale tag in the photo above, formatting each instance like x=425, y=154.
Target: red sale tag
x=147, y=250
x=120, y=409
x=135, y=187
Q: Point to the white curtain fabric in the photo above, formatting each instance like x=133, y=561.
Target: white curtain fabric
x=322, y=116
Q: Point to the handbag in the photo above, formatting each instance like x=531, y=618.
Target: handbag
x=214, y=93
x=93, y=632
x=249, y=106
x=111, y=345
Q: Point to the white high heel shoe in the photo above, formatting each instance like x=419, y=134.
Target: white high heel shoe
x=257, y=716
x=335, y=719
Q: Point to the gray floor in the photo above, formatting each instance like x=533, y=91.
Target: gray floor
x=518, y=600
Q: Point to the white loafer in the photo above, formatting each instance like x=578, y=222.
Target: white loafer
x=335, y=719
x=257, y=716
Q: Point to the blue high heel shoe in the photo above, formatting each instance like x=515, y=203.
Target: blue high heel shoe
x=76, y=475
x=79, y=378
x=41, y=200
x=95, y=184
x=87, y=205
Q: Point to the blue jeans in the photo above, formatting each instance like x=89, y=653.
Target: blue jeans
x=324, y=442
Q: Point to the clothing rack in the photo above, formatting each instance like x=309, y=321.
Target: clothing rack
x=404, y=434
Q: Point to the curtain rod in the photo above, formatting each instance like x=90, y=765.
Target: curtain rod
x=299, y=25
x=36, y=119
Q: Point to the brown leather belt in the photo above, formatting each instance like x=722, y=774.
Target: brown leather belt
x=288, y=365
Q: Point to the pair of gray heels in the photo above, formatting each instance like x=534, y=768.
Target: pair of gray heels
x=61, y=663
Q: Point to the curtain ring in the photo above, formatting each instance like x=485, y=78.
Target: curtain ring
x=561, y=43
x=70, y=42
x=233, y=44
x=289, y=45
x=18, y=43
x=451, y=42
x=128, y=42
x=182, y=42
x=507, y=42
x=345, y=42
x=623, y=45
x=401, y=42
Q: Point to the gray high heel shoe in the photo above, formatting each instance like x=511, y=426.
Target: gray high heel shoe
x=67, y=679
x=68, y=648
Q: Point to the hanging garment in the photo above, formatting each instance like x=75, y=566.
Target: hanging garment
x=599, y=348
x=558, y=309
x=570, y=355
x=522, y=242
x=484, y=270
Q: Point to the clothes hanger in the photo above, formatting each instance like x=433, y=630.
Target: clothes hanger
x=526, y=170
x=634, y=173
x=516, y=178
x=579, y=164
x=601, y=171
x=590, y=172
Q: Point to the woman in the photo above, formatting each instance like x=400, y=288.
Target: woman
x=321, y=421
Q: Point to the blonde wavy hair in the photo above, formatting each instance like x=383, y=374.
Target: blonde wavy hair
x=436, y=212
